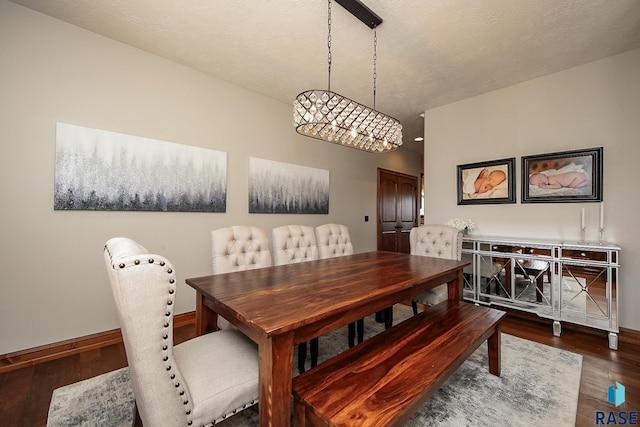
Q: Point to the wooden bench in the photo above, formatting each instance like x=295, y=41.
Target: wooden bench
x=384, y=380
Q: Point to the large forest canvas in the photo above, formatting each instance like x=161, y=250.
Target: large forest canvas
x=102, y=170
x=276, y=187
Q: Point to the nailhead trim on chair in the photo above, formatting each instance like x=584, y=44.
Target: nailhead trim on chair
x=167, y=331
x=225, y=416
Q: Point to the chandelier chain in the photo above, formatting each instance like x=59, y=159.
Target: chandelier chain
x=375, y=58
x=329, y=46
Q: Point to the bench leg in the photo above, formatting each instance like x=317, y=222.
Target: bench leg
x=493, y=344
x=299, y=415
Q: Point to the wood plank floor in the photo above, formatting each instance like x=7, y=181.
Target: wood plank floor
x=25, y=393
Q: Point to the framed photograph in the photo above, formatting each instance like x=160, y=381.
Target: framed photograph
x=568, y=176
x=487, y=182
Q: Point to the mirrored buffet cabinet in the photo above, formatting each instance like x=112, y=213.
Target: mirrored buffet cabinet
x=574, y=282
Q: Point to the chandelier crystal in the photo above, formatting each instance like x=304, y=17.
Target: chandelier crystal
x=331, y=117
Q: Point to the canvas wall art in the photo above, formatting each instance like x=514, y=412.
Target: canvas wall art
x=102, y=170
x=276, y=187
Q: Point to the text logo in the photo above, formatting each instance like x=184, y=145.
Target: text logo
x=616, y=394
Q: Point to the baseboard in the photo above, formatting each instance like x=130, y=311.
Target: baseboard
x=48, y=352
x=45, y=353
x=629, y=336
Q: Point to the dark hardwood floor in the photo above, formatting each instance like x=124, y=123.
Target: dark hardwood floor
x=25, y=393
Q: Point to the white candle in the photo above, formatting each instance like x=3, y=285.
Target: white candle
x=601, y=215
x=582, y=219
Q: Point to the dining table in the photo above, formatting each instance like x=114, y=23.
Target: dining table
x=280, y=306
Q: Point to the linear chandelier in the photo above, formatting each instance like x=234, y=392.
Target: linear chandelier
x=331, y=117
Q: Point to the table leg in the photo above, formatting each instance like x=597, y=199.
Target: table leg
x=455, y=287
x=206, y=318
x=493, y=344
x=276, y=363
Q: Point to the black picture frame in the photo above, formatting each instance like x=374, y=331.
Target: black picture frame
x=571, y=187
x=487, y=182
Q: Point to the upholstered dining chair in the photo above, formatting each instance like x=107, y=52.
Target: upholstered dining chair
x=334, y=240
x=238, y=248
x=438, y=241
x=199, y=382
x=292, y=244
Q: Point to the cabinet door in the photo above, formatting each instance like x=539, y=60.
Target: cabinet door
x=589, y=294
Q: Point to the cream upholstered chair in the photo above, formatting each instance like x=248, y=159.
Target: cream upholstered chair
x=439, y=241
x=238, y=248
x=292, y=244
x=201, y=381
x=334, y=240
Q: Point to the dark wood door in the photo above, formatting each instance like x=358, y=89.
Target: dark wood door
x=397, y=210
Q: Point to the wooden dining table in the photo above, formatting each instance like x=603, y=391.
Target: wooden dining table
x=281, y=306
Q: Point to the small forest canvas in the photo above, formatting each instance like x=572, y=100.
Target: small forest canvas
x=276, y=187
x=102, y=170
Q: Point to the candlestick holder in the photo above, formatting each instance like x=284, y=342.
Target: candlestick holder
x=601, y=235
x=583, y=233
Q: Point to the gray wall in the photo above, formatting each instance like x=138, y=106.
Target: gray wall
x=593, y=105
x=54, y=284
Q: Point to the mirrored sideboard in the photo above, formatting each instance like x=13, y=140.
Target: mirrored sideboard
x=574, y=282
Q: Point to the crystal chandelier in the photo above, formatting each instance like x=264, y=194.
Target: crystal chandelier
x=331, y=117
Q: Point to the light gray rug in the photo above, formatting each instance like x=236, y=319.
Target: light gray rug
x=539, y=385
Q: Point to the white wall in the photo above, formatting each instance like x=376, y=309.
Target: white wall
x=597, y=104
x=54, y=285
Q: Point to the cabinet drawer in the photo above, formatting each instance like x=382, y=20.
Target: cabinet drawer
x=526, y=250
x=584, y=254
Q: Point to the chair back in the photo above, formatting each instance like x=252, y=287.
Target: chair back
x=144, y=288
x=239, y=248
x=333, y=240
x=436, y=240
x=293, y=243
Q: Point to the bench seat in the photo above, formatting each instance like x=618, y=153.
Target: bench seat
x=384, y=380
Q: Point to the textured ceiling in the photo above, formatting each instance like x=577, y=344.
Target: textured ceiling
x=430, y=52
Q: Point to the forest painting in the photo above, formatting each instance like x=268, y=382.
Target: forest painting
x=276, y=187
x=101, y=170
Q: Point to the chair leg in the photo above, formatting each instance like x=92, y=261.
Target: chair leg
x=314, y=352
x=354, y=328
x=302, y=356
x=414, y=305
x=137, y=421
x=388, y=317
x=351, y=334
x=360, y=329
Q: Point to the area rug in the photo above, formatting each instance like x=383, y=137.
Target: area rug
x=539, y=385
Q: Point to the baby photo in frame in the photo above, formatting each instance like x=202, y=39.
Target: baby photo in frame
x=487, y=182
x=563, y=177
